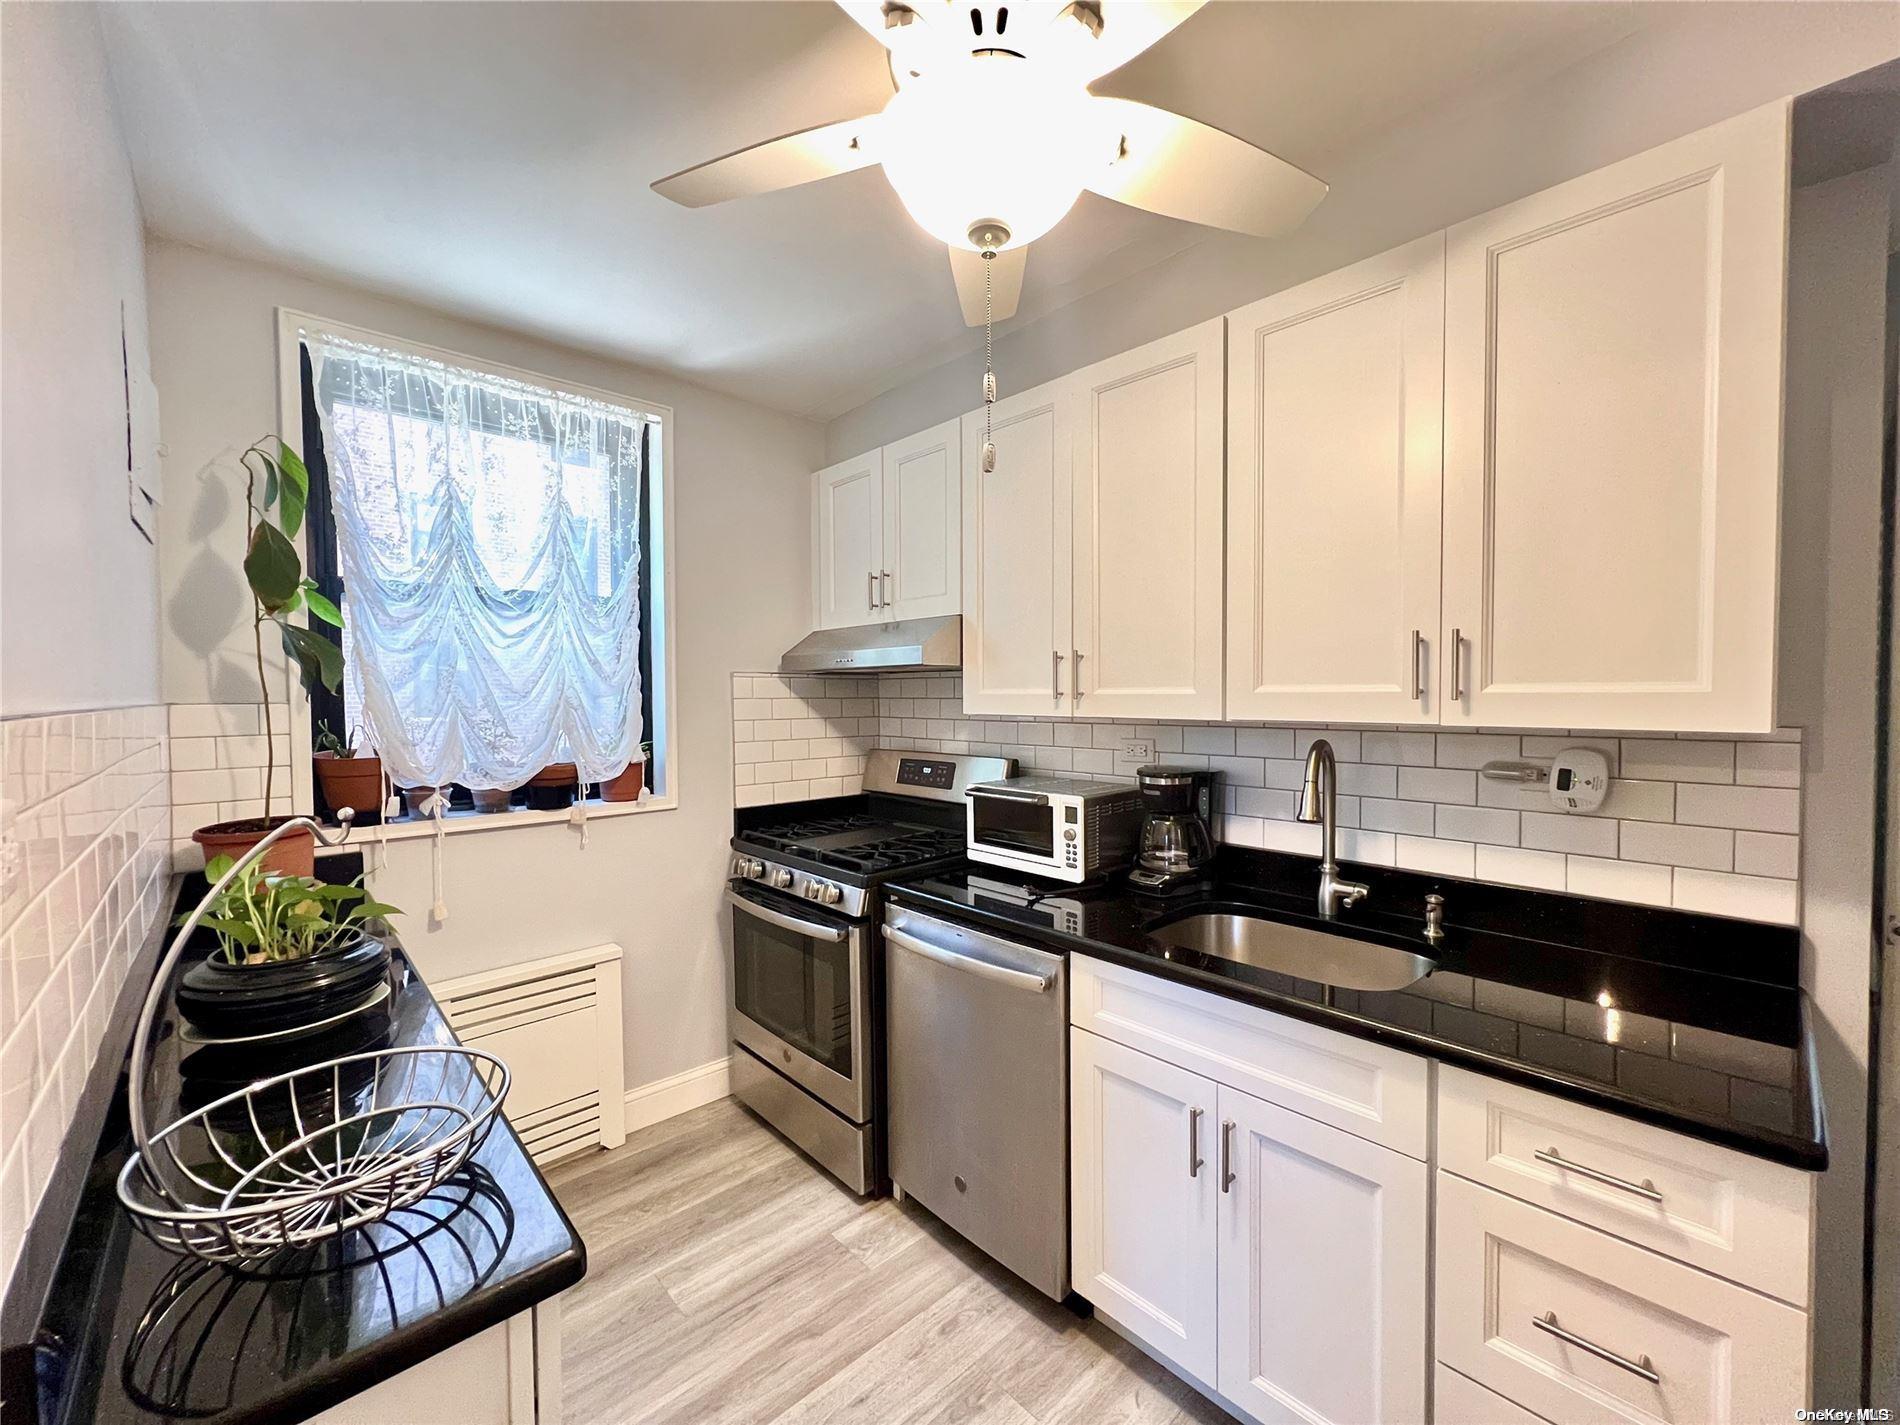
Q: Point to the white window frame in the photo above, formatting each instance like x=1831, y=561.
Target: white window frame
x=658, y=546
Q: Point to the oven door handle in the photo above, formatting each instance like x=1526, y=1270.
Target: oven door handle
x=1002, y=974
x=817, y=931
x=1006, y=794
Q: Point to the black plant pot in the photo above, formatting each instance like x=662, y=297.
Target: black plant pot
x=224, y=1001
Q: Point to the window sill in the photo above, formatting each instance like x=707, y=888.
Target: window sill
x=460, y=821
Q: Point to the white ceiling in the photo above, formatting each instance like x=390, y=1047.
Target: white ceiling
x=493, y=160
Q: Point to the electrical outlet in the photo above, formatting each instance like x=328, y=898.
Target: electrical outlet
x=1134, y=752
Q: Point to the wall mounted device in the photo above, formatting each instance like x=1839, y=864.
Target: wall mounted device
x=1577, y=778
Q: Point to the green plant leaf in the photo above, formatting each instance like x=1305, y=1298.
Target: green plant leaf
x=295, y=471
x=270, y=478
x=318, y=660
x=373, y=910
x=320, y=606
x=217, y=866
x=272, y=567
x=233, y=929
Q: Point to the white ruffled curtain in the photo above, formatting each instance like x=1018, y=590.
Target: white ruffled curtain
x=489, y=534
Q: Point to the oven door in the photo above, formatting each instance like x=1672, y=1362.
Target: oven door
x=1025, y=830
x=801, y=996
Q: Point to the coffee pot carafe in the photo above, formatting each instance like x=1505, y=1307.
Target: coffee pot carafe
x=1177, y=838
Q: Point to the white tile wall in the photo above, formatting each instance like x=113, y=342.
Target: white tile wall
x=83, y=878
x=1702, y=823
x=798, y=738
x=217, y=768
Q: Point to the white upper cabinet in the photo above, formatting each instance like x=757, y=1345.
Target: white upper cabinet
x=1016, y=597
x=1334, y=419
x=847, y=536
x=921, y=565
x=1148, y=523
x=886, y=531
x=1613, y=442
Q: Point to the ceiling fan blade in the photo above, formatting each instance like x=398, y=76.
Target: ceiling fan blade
x=783, y=162
x=1128, y=28
x=1185, y=169
x=1006, y=282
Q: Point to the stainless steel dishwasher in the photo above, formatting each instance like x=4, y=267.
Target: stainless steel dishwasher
x=978, y=1046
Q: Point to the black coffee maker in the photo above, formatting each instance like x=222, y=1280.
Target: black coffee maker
x=1177, y=836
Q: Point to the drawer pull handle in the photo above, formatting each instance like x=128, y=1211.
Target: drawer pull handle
x=1638, y=1367
x=1645, y=1189
x=1226, y=1154
x=1194, y=1143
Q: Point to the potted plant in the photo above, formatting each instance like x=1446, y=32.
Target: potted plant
x=417, y=799
x=554, y=786
x=278, y=590
x=291, y=951
x=627, y=785
x=349, y=778
x=491, y=799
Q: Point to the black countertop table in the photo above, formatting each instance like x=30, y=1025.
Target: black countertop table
x=132, y=1332
x=1695, y=1023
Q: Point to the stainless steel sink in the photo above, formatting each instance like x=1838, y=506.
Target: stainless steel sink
x=1294, y=950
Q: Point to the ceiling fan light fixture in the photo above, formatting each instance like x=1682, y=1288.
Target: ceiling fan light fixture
x=989, y=140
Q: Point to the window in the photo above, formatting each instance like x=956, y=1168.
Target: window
x=496, y=541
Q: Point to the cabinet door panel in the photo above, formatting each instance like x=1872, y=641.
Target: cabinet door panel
x=1335, y=426
x=847, y=536
x=923, y=526
x=1148, y=530
x=1613, y=441
x=1016, y=558
x=1142, y=1223
x=1322, y=1272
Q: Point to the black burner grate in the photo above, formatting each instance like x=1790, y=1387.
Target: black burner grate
x=861, y=844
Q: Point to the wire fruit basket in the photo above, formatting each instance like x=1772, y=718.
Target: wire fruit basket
x=308, y=1154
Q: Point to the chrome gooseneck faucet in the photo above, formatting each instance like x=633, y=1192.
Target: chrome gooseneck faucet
x=1319, y=803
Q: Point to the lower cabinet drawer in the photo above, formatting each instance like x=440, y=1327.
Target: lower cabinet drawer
x=1577, y=1326
x=1714, y=1208
x=1458, y=1400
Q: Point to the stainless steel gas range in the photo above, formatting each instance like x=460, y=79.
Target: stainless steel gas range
x=807, y=1016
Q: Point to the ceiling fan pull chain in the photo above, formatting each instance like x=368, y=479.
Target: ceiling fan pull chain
x=989, y=370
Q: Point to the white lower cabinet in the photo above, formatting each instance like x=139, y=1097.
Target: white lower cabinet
x=1322, y=1265
x=1268, y=1257
x=1578, y=1326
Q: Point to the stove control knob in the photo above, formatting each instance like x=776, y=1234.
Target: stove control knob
x=747, y=869
x=830, y=895
x=779, y=878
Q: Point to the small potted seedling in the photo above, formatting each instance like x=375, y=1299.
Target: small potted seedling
x=349, y=778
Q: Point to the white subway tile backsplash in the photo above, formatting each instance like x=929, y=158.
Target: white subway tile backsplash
x=84, y=861
x=1750, y=897
x=1563, y=831
x=1678, y=760
x=1618, y=880
x=804, y=737
x=1478, y=824
x=1710, y=848
x=1399, y=749
x=1263, y=741
x=1447, y=858
x=1745, y=808
x=1514, y=866
x=1768, y=764
x=1765, y=853
x=1474, y=749
x=1640, y=801
x=1432, y=784
x=1412, y=818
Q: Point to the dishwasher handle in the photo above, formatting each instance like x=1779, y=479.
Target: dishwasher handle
x=1002, y=974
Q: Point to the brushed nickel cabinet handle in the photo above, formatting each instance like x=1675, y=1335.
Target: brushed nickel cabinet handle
x=1075, y=674
x=1055, y=674
x=870, y=588
x=1639, y=1367
x=884, y=588
x=1645, y=1189
x=1194, y=1143
x=1226, y=1154
x=1457, y=665
x=1418, y=666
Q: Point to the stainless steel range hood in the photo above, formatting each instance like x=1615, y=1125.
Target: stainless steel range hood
x=916, y=645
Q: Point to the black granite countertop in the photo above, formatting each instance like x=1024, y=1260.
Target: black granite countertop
x=131, y=1332
x=1692, y=1022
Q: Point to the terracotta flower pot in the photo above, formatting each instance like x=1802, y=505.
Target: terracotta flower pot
x=555, y=774
x=353, y=782
x=414, y=797
x=294, y=855
x=491, y=799
x=627, y=786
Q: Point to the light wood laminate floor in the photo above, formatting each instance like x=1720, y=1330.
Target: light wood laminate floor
x=729, y=1279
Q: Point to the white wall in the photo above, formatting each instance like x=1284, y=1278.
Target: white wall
x=78, y=621
x=650, y=882
x=1831, y=576
x=1701, y=64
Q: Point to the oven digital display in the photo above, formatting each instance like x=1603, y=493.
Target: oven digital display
x=917, y=772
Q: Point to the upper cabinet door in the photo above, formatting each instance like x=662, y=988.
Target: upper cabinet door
x=1016, y=558
x=847, y=539
x=922, y=572
x=1323, y=1287
x=1335, y=410
x=1613, y=369
x=1148, y=530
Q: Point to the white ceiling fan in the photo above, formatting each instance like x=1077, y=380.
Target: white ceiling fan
x=992, y=135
